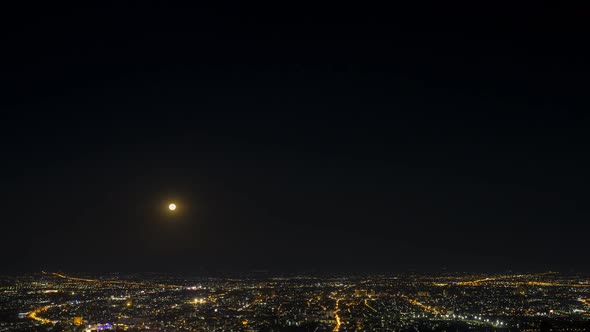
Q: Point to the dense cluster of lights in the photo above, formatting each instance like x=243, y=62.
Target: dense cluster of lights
x=370, y=303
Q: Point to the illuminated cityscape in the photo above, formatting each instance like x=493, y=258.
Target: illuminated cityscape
x=203, y=166
x=390, y=302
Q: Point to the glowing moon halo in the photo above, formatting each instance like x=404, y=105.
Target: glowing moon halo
x=172, y=207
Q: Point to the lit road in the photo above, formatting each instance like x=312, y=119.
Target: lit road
x=477, y=282
x=369, y=306
x=553, y=284
x=421, y=305
x=433, y=310
x=34, y=315
x=336, y=310
x=119, y=282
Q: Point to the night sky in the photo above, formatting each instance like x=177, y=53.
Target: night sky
x=293, y=138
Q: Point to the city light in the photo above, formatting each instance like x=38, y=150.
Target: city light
x=330, y=304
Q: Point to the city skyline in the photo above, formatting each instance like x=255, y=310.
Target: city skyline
x=537, y=302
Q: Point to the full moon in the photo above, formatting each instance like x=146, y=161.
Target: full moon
x=172, y=206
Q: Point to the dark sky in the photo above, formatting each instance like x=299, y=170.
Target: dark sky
x=337, y=138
